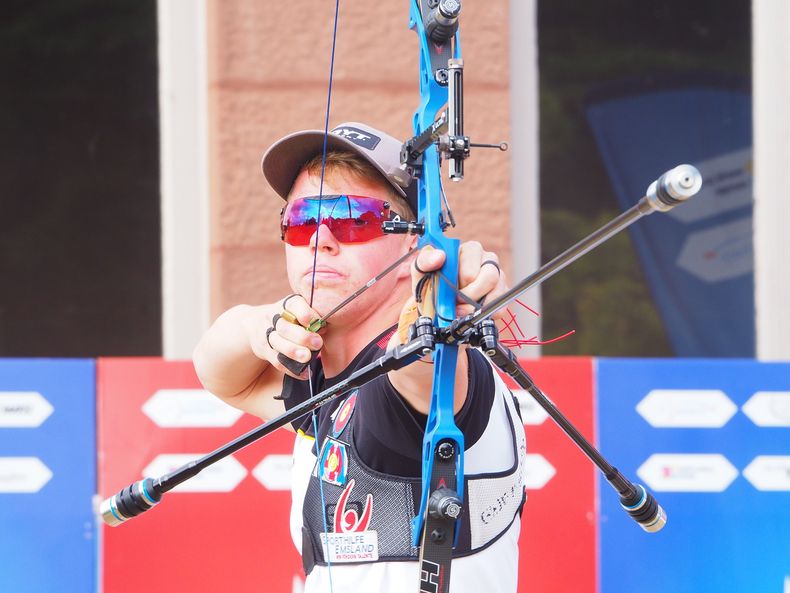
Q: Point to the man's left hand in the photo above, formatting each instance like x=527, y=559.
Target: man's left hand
x=479, y=274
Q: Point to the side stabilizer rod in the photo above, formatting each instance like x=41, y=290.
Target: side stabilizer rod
x=634, y=498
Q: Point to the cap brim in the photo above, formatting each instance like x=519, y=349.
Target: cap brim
x=285, y=158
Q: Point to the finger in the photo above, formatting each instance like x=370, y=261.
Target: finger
x=470, y=256
x=298, y=306
x=502, y=287
x=486, y=279
x=290, y=349
x=429, y=259
x=266, y=344
x=298, y=335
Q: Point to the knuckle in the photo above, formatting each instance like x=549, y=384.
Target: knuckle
x=260, y=351
x=304, y=354
x=273, y=340
x=284, y=328
x=464, y=309
x=299, y=353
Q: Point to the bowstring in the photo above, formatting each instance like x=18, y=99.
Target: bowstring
x=325, y=546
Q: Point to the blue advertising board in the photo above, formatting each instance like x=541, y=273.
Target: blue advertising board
x=701, y=252
x=47, y=476
x=711, y=440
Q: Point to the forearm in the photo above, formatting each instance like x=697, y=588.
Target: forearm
x=224, y=359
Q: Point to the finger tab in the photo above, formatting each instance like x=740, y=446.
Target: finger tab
x=294, y=366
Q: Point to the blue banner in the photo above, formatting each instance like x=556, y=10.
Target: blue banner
x=47, y=476
x=711, y=440
x=697, y=258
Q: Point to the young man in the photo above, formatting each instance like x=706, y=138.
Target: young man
x=357, y=464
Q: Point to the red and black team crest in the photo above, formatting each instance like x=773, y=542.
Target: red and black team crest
x=348, y=520
x=333, y=465
x=344, y=414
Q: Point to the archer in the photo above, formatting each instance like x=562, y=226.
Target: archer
x=357, y=461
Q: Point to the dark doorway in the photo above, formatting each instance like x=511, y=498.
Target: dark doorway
x=79, y=222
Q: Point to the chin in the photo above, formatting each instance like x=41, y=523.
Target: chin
x=323, y=299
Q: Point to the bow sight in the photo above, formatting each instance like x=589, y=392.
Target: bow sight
x=447, y=130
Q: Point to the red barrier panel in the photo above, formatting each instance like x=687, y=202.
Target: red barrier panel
x=558, y=530
x=233, y=535
x=201, y=542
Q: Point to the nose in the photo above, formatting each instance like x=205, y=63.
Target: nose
x=324, y=240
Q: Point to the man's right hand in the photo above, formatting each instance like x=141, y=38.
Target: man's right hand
x=236, y=362
x=271, y=334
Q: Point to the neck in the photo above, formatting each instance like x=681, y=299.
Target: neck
x=347, y=335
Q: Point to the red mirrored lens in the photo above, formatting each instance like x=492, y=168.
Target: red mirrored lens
x=351, y=219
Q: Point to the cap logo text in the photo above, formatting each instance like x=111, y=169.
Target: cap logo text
x=358, y=137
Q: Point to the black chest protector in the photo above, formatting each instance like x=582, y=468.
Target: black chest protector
x=368, y=513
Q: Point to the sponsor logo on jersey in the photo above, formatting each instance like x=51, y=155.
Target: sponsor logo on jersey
x=351, y=540
x=360, y=546
x=334, y=462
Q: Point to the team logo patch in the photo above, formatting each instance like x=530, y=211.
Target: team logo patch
x=351, y=540
x=349, y=520
x=344, y=414
x=334, y=462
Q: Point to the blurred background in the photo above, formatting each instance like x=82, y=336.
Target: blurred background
x=134, y=212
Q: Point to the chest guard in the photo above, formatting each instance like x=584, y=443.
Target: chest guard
x=368, y=513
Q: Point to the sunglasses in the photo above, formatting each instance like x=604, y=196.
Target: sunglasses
x=351, y=219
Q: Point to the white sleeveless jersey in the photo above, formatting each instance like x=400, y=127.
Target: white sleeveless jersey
x=494, y=520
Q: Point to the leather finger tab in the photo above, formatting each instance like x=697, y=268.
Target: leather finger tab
x=294, y=366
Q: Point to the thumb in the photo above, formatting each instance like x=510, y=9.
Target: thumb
x=429, y=259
